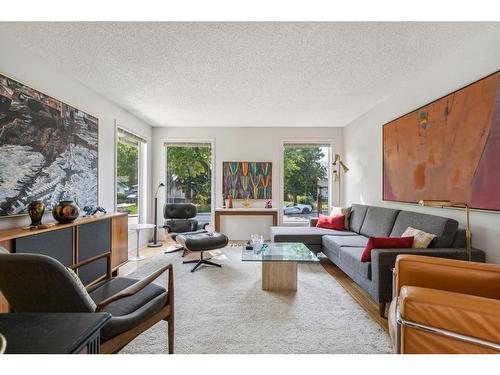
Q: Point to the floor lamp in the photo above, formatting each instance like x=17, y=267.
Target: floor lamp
x=442, y=204
x=155, y=243
x=340, y=168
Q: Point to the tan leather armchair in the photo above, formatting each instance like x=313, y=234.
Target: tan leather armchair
x=445, y=306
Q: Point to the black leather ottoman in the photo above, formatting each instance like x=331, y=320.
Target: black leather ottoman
x=202, y=242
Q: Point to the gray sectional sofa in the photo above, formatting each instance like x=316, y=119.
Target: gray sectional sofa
x=344, y=248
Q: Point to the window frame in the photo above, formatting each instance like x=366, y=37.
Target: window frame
x=208, y=141
x=312, y=141
x=142, y=170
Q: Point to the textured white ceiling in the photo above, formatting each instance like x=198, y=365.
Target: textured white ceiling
x=244, y=74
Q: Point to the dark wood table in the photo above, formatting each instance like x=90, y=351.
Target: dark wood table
x=52, y=333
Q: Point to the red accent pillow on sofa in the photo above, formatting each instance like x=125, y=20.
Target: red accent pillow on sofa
x=331, y=222
x=385, y=243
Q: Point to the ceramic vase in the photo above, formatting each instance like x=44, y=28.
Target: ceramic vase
x=65, y=212
x=36, y=209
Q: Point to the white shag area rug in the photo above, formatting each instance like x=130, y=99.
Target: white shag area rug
x=224, y=310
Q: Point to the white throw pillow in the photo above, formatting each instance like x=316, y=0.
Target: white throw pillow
x=421, y=239
x=345, y=211
x=82, y=288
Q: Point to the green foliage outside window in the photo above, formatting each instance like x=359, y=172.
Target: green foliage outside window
x=303, y=171
x=189, y=170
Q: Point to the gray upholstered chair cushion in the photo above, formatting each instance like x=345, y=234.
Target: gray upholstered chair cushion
x=131, y=311
x=351, y=257
x=334, y=243
x=23, y=276
x=444, y=228
x=305, y=235
x=378, y=221
x=358, y=213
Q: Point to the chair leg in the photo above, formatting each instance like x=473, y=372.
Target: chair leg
x=211, y=263
x=170, y=323
x=381, y=309
x=201, y=261
x=183, y=252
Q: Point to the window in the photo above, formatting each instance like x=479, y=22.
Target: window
x=189, y=176
x=306, y=185
x=130, y=180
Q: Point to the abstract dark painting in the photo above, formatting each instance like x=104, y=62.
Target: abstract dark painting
x=448, y=149
x=48, y=150
x=244, y=180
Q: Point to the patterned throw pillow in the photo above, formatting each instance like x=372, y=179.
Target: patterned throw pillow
x=421, y=239
x=82, y=288
x=345, y=211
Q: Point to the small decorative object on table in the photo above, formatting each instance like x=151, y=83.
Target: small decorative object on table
x=246, y=204
x=223, y=201
x=229, y=201
x=65, y=212
x=36, y=210
x=92, y=210
x=269, y=204
x=257, y=240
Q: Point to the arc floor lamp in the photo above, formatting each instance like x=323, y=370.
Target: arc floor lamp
x=465, y=206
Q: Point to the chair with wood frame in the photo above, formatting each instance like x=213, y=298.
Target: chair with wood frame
x=34, y=283
x=445, y=306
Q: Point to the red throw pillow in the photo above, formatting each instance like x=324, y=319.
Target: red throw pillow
x=331, y=222
x=385, y=243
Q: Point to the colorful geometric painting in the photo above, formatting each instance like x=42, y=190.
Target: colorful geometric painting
x=48, y=150
x=448, y=149
x=244, y=180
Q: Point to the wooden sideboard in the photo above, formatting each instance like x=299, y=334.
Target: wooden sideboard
x=253, y=211
x=74, y=242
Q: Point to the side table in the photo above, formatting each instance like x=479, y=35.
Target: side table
x=138, y=228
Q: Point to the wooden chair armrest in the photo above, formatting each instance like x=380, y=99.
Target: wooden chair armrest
x=138, y=286
x=478, y=279
x=93, y=259
x=437, y=321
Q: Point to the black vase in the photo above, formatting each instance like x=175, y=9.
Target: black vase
x=65, y=212
x=36, y=210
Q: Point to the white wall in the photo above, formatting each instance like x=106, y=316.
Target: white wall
x=363, y=137
x=21, y=65
x=241, y=144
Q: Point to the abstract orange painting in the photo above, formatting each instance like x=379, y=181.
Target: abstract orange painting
x=448, y=149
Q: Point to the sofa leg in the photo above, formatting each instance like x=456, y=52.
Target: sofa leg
x=381, y=309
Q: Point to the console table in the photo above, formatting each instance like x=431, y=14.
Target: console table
x=53, y=333
x=74, y=242
x=273, y=212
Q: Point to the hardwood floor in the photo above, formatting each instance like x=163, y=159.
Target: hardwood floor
x=364, y=300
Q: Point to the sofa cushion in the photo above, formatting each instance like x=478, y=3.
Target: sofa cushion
x=331, y=222
x=345, y=211
x=350, y=257
x=444, y=228
x=306, y=235
x=385, y=243
x=334, y=243
x=358, y=212
x=378, y=221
